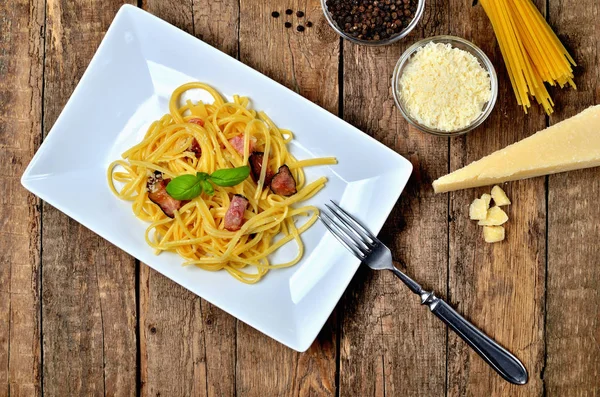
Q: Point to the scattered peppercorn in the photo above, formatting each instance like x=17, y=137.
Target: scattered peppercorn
x=372, y=20
x=288, y=11
x=275, y=14
x=288, y=25
x=300, y=28
x=309, y=24
x=299, y=14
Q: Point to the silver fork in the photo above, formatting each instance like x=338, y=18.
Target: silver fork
x=366, y=247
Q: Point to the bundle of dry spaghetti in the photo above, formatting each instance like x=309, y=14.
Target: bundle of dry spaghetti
x=532, y=52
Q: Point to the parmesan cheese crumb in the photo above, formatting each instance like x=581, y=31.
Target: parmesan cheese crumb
x=444, y=88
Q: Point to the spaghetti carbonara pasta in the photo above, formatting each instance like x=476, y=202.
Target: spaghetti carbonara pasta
x=234, y=228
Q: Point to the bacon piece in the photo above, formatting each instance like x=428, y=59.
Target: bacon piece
x=200, y=122
x=283, y=183
x=157, y=193
x=195, y=147
x=234, y=217
x=256, y=160
x=238, y=143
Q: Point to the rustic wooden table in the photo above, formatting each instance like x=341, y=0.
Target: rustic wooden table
x=78, y=317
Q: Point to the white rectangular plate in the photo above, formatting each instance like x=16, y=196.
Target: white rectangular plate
x=141, y=60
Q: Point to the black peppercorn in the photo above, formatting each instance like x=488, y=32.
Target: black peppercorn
x=288, y=25
x=275, y=14
x=288, y=11
x=299, y=14
x=300, y=28
x=372, y=19
x=309, y=24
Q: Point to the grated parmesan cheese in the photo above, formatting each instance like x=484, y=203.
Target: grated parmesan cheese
x=444, y=88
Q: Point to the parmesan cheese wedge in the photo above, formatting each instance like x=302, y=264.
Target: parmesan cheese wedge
x=569, y=145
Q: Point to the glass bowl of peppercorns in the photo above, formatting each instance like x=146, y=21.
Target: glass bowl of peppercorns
x=373, y=22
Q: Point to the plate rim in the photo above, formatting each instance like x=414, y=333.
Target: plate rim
x=27, y=180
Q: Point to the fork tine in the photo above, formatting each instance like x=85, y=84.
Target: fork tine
x=362, y=238
x=348, y=239
x=349, y=218
x=339, y=235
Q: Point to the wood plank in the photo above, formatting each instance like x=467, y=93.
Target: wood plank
x=21, y=58
x=500, y=287
x=88, y=285
x=573, y=297
x=187, y=344
x=390, y=345
x=172, y=338
x=306, y=62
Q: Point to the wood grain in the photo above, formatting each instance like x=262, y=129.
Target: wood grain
x=390, y=345
x=68, y=296
x=573, y=297
x=88, y=285
x=187, y=344
x=21, y=56
x=499, y=287
x=306, y=62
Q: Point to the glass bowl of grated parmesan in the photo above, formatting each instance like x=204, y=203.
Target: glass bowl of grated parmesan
x=445, y=86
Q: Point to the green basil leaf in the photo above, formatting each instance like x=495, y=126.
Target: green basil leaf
x=202, y=176
x=184, y=187
x=208, y=188
x=230, y=176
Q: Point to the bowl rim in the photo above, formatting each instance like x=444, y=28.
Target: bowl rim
x=372, y=43
x=487, y=64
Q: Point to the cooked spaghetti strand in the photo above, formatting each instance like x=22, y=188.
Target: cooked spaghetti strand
x=196, y=231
